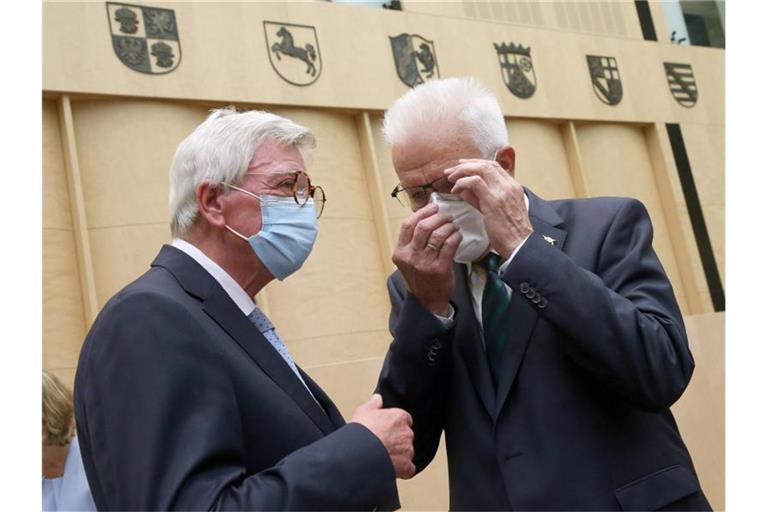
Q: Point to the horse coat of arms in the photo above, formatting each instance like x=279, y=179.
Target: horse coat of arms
x=605, y=78
x=415, y=59
x=517, y=69
x=146, y=39
x=294, y=52
x=682, y=83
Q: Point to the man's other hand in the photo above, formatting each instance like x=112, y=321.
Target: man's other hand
x=393, y=428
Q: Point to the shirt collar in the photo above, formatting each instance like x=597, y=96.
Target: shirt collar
x=234, y=290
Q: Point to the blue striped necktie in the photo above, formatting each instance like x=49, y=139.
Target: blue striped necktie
x=495, y=303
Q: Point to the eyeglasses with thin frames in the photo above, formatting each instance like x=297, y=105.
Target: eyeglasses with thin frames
x=301, y=189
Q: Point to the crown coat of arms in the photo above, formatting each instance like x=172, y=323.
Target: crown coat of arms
x=517, y=69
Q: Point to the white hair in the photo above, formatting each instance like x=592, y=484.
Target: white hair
x=447, y=110
x=219, y=150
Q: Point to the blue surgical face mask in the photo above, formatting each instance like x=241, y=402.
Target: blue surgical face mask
x=287, y=235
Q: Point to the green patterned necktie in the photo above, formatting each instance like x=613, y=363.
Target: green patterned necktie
x=495, y=302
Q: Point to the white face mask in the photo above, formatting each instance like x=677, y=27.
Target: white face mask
x=475, y=241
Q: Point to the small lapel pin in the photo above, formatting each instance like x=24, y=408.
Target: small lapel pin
x=549, y=240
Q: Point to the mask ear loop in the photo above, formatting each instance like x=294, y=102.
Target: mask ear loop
x=236, y=233
x=244, y=192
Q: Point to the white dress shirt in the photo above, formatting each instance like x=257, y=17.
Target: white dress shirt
x=236, y=292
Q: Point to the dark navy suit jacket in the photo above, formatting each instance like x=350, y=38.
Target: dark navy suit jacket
x=596, y=355
x=181, y=403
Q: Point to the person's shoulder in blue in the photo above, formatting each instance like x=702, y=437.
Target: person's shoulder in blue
x=65, y=486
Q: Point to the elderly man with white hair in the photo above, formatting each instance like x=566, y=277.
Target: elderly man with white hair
x=542, y=337
x=186, y=397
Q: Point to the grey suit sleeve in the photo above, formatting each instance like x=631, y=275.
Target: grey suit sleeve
x=414, y=369
x=160, y=426
x=622, y=323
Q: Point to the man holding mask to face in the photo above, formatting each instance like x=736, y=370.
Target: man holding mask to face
x=543, y=337
x=185, y=395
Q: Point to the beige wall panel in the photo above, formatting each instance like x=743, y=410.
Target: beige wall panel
x=616, y=163
x=56, y=213
x=63, y=317
x=700, y=285
x=705, y=146
x=237, y=67
x=350, y=384
x=125, y=149
x=341, y=288
x=338, y=348
x=714, y=216
x=541, y=161
x=121, y=254
x=700, y=413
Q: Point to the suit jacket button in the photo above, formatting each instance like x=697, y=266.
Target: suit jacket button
x=531, y=293
x=542, y=303
x=524, y=287
x=536, y=298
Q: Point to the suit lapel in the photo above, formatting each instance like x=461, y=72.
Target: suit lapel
x=469, y=336
x=521, y=318
x=325, y=401
x=226, y=313
x=220, y=307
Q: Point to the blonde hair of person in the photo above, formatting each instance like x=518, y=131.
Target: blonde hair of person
x=58, y=411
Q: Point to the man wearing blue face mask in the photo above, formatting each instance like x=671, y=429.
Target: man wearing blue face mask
x=185, y=395
x=542, y=337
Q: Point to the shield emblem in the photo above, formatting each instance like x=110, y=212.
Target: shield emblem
x=682, y=83
x=415, y=59
x=605, y=78
x=294, y=52
x=517, y=69
x=146, y=39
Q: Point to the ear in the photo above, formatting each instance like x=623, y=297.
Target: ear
x=209, y=203
x=506, y=158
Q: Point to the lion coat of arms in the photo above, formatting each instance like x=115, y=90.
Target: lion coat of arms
x=146, y=39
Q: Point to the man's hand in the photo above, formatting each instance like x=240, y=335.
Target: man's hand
x=424, y=254
x=491, y=189
x=393, y=428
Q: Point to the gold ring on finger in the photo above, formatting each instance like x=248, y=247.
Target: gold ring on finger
x=432, y=246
